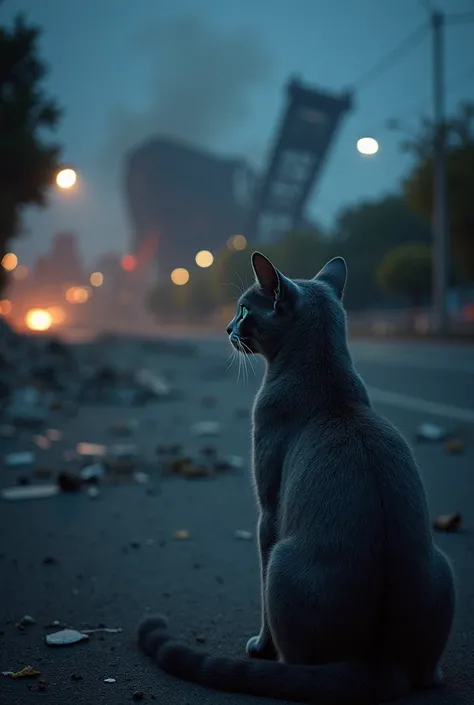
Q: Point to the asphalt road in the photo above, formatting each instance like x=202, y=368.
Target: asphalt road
x=116, y=558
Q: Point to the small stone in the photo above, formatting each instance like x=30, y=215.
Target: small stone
x=448, y=522
x=26, y=621
x=243, y=535
x=454, y=445
x=182, y=534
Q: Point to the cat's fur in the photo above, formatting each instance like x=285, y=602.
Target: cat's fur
x=357, y=602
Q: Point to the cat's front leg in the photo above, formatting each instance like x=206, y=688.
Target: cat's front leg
x=262, y=646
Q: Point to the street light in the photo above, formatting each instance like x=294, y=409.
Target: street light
x=38, y=319
x=66, y=178
x=368, y=146
x=9, y=261
x=238, y=242
x=129, y=262
x=96, y=278
x=180, y=276
x=204, y=258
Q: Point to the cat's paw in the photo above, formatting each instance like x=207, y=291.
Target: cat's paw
x=259, y=648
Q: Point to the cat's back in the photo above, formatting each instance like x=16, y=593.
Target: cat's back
x=354, y=459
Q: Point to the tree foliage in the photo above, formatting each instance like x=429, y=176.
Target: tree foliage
x=406, y=271
x=418, y=187
x=27, y=163
x=364, y=233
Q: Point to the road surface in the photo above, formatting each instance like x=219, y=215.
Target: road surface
x=115, y=557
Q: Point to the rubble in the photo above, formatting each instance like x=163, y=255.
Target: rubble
x=65, y=637
x=26, y=672
x=29, y=492
x=19, y=459
x=448, y=522
x=206, y=428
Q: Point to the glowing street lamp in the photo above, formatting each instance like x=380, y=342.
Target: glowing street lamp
x=180, y=276
x=66, y=178
x=238, y=242
x=9, y=261
x=129, y=262
x=368, y=146
x=96, y=278
x=38, y=319
x=204, y=258
x=5, y=307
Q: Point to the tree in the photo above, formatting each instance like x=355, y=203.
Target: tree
x=418, y=187
x=406, y=271
x=27, y=163
x=364, y=233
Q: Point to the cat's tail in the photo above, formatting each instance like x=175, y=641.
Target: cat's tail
x=333, y=684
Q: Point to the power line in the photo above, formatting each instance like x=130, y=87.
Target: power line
x=410, y=42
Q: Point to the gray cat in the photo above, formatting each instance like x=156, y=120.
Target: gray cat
x=357, y=602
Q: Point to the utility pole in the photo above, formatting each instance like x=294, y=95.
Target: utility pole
x=441, y=253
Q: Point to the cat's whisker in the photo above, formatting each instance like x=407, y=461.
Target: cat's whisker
x=240, y=367
x=241, y=283
x=245, y=366
x=232, y=359
x=234, y=285
x=248, y=354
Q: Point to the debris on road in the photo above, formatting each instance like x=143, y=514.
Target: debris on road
x=141, y=477
x=454, y=446
x=93, y=492
x=53, y=434
x=448, y=522
x=182, y=534
x=92, y=473
x=430, y=432
x=206, y=428
x=65, y=637
x=186, y=468
x=91, y=450
x=25, y=621
x=110, y=680
x=30, y=492
x=19, y=459
x=26, y=672
x=153, y=384
x=103, y=630
x=243, y=535
x=42, y=442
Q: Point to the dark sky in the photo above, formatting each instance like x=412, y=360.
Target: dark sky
x=212, y=71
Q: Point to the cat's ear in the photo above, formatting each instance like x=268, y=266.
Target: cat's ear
x=271, y=281
x=334, y=273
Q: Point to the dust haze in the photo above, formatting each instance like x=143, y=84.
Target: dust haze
x=200, y=91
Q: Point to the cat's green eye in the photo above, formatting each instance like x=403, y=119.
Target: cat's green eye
x=243, y=311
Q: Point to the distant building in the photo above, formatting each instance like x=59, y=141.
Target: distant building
x=182, y=200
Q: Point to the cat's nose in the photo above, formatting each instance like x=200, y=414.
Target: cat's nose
x=229, y=329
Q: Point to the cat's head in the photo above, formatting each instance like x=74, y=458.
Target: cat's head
x=277, y=312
